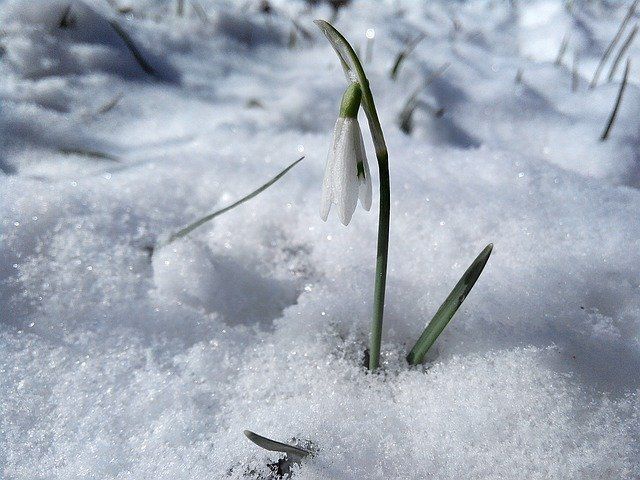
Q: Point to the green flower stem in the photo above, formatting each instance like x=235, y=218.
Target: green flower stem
x=381, y=262
x=355, y=74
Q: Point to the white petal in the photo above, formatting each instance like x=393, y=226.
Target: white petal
x=327, y=183
x=345, y=171
x=341, y=185
x=327, y=193
x=364, y=187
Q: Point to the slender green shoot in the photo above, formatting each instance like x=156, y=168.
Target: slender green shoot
x=575, y=77
x=66, y=20
x=518, y=77
x=625, y=46
x=135, y=52
x=293, y=38
x=402, y=56
x=435, y=74
x=563, y=49
x=296, y=29
x=405, y=118
x=89, y=153
x=610, y=47
x=124, y=10
x=111, y=104
x=306, y=34
x=191, y=227
x=355, y=73
x=448, y=308
x=614, y=112
x=296, y=453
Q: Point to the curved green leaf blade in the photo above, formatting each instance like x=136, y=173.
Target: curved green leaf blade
x=188, y=229
x=449, y=307
x=402, y=56
x=135, y=51
x=274, y=446
x=89, y=153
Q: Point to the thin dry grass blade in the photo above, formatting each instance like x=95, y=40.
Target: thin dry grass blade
x=614, y=112
x=110, y=105
x=563, y=49
x=518, y=77
x=575, y=78
x=200, y=12
x=89, y=153
x=191, y=227
x=124, y=36
x=607, y=52
x=625, y=46
x=402, y=56
x=405, y=118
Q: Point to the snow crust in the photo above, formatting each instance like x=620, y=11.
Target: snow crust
x=116, y=363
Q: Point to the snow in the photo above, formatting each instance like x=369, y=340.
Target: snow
x=116, y=363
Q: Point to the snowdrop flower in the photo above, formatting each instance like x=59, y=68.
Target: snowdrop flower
x=346, y=176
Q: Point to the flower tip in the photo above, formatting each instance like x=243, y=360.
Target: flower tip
x=322, y=25
x=324, y=209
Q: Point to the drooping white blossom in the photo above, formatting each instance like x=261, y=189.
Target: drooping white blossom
x=346, y=176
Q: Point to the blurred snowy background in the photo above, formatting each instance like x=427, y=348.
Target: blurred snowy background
x=121, y=121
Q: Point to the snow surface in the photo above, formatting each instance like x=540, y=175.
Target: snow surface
x=118, y=365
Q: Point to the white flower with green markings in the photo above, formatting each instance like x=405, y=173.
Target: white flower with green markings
x=346, y=176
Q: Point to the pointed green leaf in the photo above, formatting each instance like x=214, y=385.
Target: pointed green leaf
x=89, y=153
x=449, y=308
x=274, y=446
x=188, y=229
